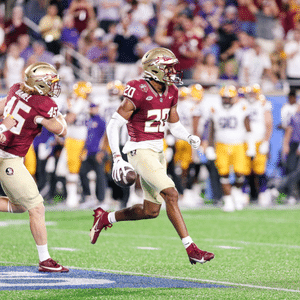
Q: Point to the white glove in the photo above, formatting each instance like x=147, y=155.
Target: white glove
x=264, y=147
x=251, y=151
x=119, y=164
x=210, y=153
x=194, y=141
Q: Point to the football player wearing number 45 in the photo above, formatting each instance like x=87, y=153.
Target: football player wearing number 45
x=148, y=105
x=31, y=106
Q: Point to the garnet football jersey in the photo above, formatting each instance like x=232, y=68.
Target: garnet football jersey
x=151, y=110
x=24, y=108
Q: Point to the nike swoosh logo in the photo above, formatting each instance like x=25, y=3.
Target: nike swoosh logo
x=54, y=269
x=170, y=97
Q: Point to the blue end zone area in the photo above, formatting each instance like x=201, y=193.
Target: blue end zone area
x=28, y=278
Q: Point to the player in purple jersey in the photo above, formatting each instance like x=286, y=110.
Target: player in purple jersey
x=148, y=105
x=29, y=103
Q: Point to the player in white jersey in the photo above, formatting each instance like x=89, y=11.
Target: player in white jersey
x=76, y=118
x=229, y=125
x=261, y=123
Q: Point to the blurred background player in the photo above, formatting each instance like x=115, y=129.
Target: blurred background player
x=93, y=158
x=29, y=102
x=261, y=123
x=229, y=124
x=76, y=118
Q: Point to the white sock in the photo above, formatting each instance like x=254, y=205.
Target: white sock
x=43, y=252
x=112, y=217
x=187, y=241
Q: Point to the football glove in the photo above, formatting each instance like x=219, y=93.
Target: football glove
x=210, y=153
x=264, y=147
x=194, y=141
x=119, y=164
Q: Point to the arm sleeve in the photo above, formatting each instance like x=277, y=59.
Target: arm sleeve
x=113, y=132
x=179, y=131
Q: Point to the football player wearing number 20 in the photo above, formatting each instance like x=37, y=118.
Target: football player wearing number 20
x=30, y=104
x=147, y=106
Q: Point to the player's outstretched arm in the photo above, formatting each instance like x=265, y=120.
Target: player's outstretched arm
x=56, y=125
x=179, y=131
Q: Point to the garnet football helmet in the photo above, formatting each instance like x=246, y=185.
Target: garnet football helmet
x=197, y=91
x=228, y=94
x=43, y=78
x=82, y=89
x=158, y=64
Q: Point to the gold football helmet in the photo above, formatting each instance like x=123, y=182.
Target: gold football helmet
x=158, y=64
x=82, y=89
x=184, y=92
x=228, y=94
x=197, y=91
x=43, y=78
x=115, y=89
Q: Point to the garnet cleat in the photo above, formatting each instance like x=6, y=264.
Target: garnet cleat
x=50, y=265
x=100, y=222
x=197, y=255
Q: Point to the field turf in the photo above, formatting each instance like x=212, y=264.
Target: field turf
x=257, y=253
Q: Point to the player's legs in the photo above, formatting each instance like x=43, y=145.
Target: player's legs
x=37, y=224
x=8, y=206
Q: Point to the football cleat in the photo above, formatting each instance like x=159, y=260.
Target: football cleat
x=197, y=255
x=100, y=222
x=50, y=265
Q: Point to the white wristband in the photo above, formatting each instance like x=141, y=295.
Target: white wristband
x=38, y=120
x=179, y=131
x=2, y=128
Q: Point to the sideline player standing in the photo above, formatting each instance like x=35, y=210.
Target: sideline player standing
x=148, y=104
x=31, y=106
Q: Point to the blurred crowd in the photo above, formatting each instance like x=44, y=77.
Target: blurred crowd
x=240, y=42
x=244, y=41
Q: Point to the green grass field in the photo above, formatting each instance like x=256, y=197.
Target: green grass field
x=257, y=253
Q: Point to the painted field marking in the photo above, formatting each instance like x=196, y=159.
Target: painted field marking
x=22, y=222
x=147, y=248
x=229, y=247
x=194, y=279
x=64, y=249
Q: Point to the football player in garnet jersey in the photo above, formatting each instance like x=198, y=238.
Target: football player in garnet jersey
x=148, y=104
x=29, y=103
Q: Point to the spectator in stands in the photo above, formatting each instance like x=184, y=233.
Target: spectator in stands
x=83, y=13
x=40, y=54
x=231, y=14
x=288, y=109
x=210, y=45
x=125, y=43
x=256, y=62
x=69, y=34
x=50, y=28
x=108, y=12
x=14, y=66
x=145, y=44
x=278, y=60
x=246, y=10
x=100, y=54
x=266, y=22
x=292, y=50
x=227, y=40
x=207, y=73
x=36, y=9
x=25, y=46
x=185, y=48
x=14, y=27
x=230, y=71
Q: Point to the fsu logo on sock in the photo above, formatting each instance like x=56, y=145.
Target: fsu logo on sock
x=9, y=171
